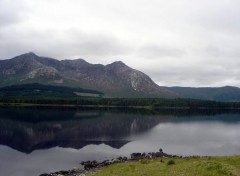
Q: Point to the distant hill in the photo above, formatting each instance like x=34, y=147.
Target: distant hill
x=226, y=93
x=114, y=80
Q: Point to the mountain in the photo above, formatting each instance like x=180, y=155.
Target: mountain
x=114, y=80
x=226, y=93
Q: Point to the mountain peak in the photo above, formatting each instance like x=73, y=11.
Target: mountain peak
x=117, y=64
x=81, y=61
x=32, y=54
x=29, y=55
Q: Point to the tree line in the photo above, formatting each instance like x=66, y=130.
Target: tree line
x=154, y=103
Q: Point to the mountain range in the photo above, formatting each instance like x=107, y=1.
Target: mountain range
x=113, y=80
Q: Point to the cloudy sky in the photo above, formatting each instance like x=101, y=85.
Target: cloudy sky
x=175, y=42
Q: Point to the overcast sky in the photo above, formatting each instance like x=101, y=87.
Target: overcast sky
x=175, y=42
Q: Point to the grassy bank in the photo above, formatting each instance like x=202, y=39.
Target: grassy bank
x=202, y=166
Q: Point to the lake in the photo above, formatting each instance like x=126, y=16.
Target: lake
x=43, y=140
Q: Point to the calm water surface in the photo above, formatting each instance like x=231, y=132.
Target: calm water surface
x=35, y=141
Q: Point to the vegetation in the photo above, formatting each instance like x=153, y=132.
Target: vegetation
x=39, y=94
x=195, y=166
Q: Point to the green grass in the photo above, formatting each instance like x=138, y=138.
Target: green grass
x=202, y=166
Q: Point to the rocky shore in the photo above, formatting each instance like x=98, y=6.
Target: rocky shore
x=95, y=165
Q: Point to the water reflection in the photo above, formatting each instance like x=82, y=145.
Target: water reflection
x=37, y=140
x=40, y=129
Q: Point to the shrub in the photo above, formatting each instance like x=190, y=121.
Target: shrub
x=171, y=162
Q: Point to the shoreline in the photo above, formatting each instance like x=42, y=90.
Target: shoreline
x=94, y=166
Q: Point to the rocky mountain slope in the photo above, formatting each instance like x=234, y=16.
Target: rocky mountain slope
x=114, y=80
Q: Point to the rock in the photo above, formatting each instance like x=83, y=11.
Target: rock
x=136, y=156
x=159, y=154
x=120, y=158
x=90, y=164
x=62, y=172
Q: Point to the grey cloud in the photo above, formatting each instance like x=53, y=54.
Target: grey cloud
x=213, y=51
x=11, y=12
x=225, y=56
x=153, y=51
x=217, y=15
x=100, y=45
x=203, y=75
x=73, y=44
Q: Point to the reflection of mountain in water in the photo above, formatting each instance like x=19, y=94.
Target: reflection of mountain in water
x=30, y=129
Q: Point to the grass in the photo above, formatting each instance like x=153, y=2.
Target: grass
x=197, y=166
